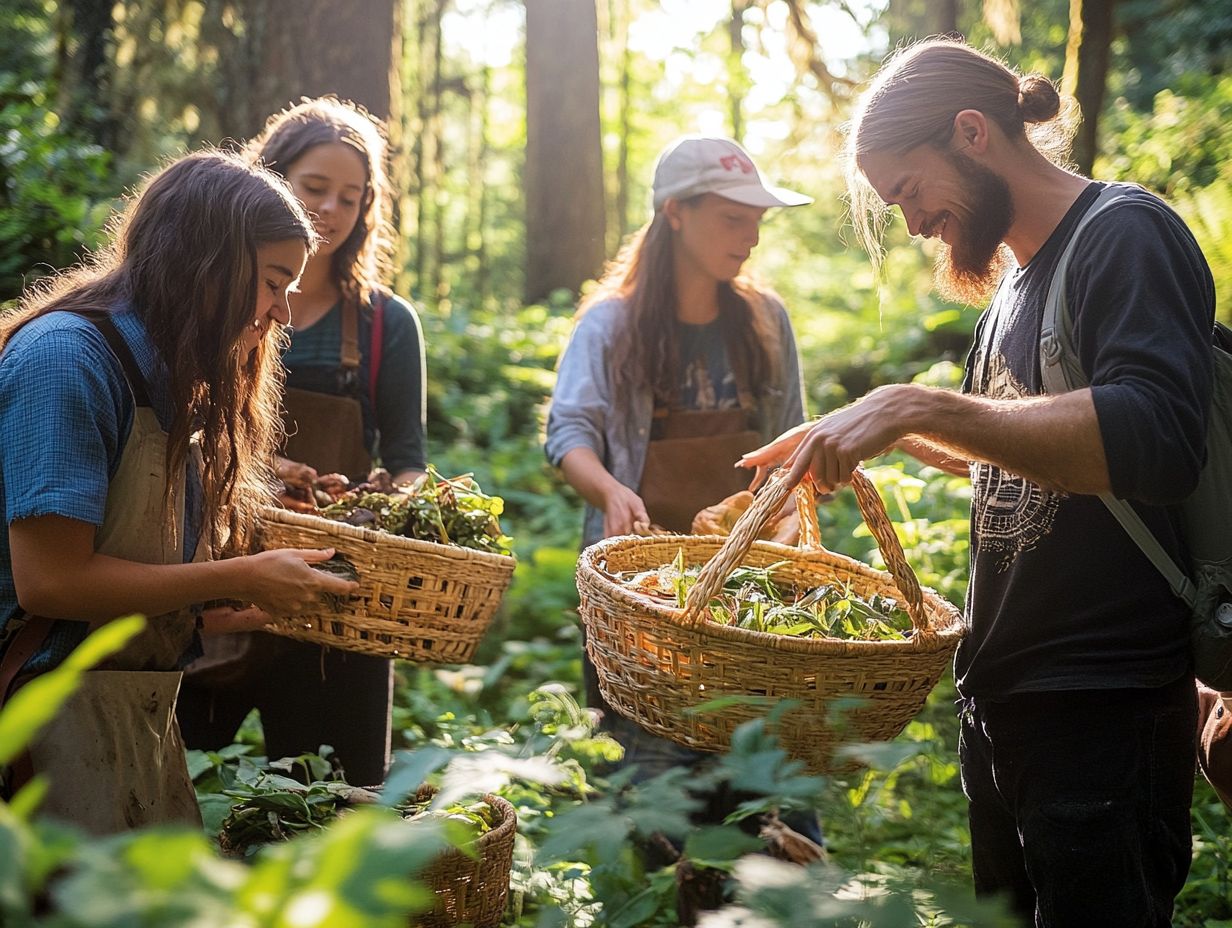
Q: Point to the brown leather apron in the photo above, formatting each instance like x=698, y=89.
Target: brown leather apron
x=306, y=693
x=690, y=463
x=325, y=431
x=113, y=754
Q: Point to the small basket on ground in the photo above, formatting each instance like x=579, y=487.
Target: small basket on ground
x=472, y=890
x=657, y=664
x=418, y=600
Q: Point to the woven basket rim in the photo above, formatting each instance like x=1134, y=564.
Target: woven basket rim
x=942, y=638
x=507, y=823
x=304, y=520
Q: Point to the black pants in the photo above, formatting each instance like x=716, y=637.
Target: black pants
x=308, y=696
x=1079, y=803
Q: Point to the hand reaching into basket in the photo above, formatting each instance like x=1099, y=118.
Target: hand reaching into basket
x=830, y=449
x=281, y=581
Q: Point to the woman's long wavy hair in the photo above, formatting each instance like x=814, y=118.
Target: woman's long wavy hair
x=646, y=349
x=183, y=256
x=361, y=262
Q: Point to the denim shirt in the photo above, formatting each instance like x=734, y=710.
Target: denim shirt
x=583, y=413
x=65, y=413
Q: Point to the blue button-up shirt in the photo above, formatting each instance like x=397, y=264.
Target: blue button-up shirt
x=65, y=415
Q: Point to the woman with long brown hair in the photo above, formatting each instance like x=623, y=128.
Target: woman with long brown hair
x=677, y=366
x=355, y=396
x=138, y=400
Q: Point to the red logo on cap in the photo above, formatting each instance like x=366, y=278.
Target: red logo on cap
x=731, y=162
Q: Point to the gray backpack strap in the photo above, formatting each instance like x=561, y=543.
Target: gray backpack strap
x=1061, y=372
x=1059, y=367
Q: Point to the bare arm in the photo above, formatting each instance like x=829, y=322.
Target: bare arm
x=58, y=574
x=1053, y=441
x=621, y=507
x=934, y=455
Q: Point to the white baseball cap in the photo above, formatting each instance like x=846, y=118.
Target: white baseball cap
x=699, y=164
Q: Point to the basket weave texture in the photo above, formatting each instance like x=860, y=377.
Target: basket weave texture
x=418, y=600
x=472, y=890
x=656, y=663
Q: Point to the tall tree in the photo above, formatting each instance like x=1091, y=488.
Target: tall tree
x=624, y=118
x=84, y=29
x=565, y=224
x=313, y=47
x=1086, y=71
x=737, y=76
x=946, y=12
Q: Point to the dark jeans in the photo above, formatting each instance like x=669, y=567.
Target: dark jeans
x=1079, y=802
x=308, y=696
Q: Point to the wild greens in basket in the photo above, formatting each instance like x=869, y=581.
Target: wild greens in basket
x=753, y=598
x=446, y=510
x=273, y=807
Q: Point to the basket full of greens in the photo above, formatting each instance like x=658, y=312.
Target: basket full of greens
x=470, y=881
x=430, y=558
x=693, y=635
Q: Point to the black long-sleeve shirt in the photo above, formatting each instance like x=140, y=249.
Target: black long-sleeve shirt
x=1060, y=597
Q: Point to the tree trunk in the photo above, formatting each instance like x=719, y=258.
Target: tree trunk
x=426, y=137
x=306, y=48
x=479, y=241
x=399, y=160
x=947, y=18
x=564, y=158
x=619, y=16
x=83, y=31
x=1086, y=71
x=436, y=280
x=737, y=79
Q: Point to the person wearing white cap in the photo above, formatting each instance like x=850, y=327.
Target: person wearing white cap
x=677, y=365
x=697, y=164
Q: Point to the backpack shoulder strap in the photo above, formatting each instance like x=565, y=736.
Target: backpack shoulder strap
x=1061, y=372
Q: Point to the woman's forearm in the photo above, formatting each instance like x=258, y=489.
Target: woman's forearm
x=586, y=474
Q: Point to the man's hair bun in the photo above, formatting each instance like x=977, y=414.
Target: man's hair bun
x=1037, y=98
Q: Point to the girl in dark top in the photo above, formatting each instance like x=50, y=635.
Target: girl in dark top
x=355, y=396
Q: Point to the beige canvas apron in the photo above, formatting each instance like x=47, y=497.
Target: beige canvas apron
x=113, y=754
x=690, y=463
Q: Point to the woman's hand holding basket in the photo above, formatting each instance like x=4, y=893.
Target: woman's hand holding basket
x=281, y=581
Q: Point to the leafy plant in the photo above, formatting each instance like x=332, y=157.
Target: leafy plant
x=443, y=510
x=752, y=598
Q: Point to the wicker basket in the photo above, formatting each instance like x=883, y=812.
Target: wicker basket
x=418, y=600
x=472, y=890
x=655, y=662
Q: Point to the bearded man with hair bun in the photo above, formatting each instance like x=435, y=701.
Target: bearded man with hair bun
x=1078, y=708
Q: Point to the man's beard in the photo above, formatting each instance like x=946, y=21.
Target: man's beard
x=969, y=271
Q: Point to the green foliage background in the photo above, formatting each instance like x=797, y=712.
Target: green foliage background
x=898, y=830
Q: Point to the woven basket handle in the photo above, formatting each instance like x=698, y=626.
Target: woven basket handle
x=806, y=512
x=767, y=503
